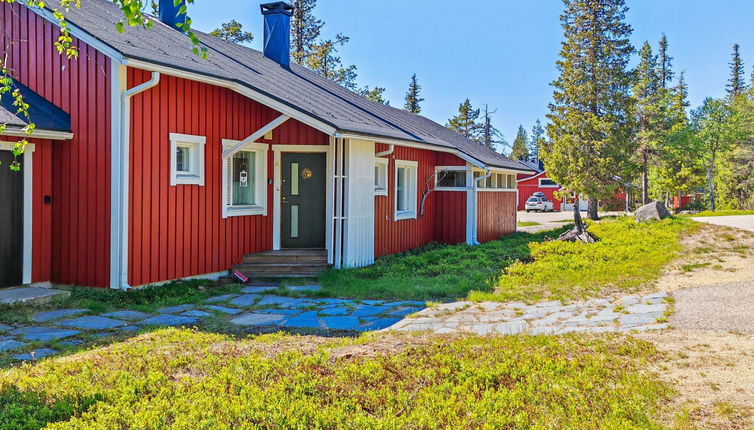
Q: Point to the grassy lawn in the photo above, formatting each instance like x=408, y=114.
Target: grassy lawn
x=188, y=380
x=719, y=213
x=434, y=272
x=626, y=256
x=527, y=223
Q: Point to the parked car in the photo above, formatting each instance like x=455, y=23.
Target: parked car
x=540, y=204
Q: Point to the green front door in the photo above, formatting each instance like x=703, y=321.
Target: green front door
x=303, y=200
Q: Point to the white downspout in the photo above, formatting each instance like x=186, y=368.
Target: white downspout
x=475, y=200
x=388, y=152
x=125, y=140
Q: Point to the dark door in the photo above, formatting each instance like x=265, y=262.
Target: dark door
x=303, y=200
x=11, y=222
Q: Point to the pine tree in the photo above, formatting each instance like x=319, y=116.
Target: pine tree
x=520, y=150
x=649, y=112
x=664, y=63
x=736, y=84
x=323, y=60
x=491, y=137
x=375, y=94
x=413, y=99
x=465, y=123
x=305, y=30
x=232, y=31
x=591, y=117
x=537, y=140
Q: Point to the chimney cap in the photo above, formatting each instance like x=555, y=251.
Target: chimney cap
x=277, y=7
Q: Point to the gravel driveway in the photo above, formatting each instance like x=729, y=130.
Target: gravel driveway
x=744, y=222
x=727, y=307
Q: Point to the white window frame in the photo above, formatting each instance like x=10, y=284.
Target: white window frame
x=260, y=180
x=412, y=179
x=547, y=186
x=451, y=169
x=383, y=163
x=196, y=144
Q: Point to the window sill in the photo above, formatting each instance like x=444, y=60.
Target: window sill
x=188, y=180
x=405, y=215
x=380, y=192
x=452, y=188
x=245, y=211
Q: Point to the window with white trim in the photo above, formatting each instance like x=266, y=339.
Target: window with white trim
x=405, y=189
x=186, y=159
x=448, y=178
x=380, y=176
x=245, y=180
x=547, y=183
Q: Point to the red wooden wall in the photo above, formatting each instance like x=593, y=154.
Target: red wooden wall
x=496, y=214
x=444, y=217
x=530, y=186
x=179, y=231
x=79, y=170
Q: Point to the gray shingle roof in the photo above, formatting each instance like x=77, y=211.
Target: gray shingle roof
x=297, y=87
x=42, y=113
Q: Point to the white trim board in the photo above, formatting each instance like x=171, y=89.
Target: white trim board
x=28, y=170
x=276, y=189
x=38, y=134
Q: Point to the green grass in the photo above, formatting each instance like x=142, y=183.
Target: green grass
x=434, y=272
x=187, y=380
x=626, y=256
x=98, y=300
x=527, y=223
x=719, y=213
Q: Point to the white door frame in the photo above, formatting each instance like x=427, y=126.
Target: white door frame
x=277, y=181
x=28, y=202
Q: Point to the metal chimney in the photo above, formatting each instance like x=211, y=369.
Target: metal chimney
x=277, y=31
x=170, y=13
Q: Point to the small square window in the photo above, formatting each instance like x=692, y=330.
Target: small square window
x=186, y=159
x=405, y=189
x=245, y=180
x=547, y=183
x=380, y=176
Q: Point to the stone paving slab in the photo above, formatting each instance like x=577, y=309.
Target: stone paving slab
x=553, y=317
x=245, y=300
x=92, y=323
x=341, y=323
x=223, y=298
x=4, y=328
x=196, y=314
x=46, y=316
x=127, y=315
x=249, y=319
x=259, y=290
x=30, y=295
x=305, y=288
x=169, y=320
x=10, y=344
x=305, y=320
x=37, y=354
x=175, y=309
x=223, y=309
x=44, y=334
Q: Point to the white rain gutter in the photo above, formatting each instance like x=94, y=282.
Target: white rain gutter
x=475, y=203
x=124, y=143
x=256, y=135
x=385, y=153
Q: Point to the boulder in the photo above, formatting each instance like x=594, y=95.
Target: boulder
x=652, y=211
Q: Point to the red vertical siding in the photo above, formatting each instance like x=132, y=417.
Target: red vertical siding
x=41, y=213
x=530, y=186
x=178, y=231
x=397, y=236
x=80, y=168
x=496, y=214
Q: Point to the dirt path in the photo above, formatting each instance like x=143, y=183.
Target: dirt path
x=742, y=222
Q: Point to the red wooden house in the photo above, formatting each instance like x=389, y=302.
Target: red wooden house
x=154, y=164
x=529, y=184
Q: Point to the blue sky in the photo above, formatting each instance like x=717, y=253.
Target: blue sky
x=501, y=52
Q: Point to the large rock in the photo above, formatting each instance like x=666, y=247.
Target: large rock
x=652, y=211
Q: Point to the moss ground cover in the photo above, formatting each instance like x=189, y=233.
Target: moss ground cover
x=434, y=272
x=626, y=256
x=187, y=380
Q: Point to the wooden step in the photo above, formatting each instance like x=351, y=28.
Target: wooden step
x=284, y=263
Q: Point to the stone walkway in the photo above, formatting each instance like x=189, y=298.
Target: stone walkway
x=594, y=316
x=254, y=307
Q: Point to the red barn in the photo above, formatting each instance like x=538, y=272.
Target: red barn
x=529, y=184
x=150, y=164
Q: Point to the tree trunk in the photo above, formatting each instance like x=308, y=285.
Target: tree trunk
x=644, y=180
x=711, y=189
x=578, y=222
x=594, y=209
